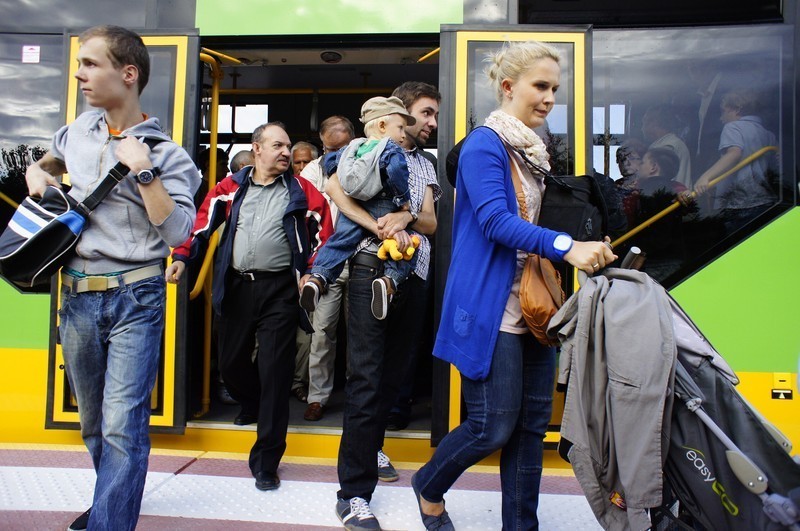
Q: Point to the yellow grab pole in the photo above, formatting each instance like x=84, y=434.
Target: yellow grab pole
x=676, y=204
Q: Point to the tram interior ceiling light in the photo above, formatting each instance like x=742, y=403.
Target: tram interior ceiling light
x=331, y=56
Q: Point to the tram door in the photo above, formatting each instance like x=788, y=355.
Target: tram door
x=467, y=101
x=169, y=95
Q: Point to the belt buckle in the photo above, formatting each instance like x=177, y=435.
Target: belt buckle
x=96, y=284
x=249, y=276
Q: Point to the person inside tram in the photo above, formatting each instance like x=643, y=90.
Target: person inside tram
x=203, y=164
x=274, y=224
x=629, y=158
x=335, y=132
x=656, y=189
x=111, y=356
x=748, y=192
x=302, y=154
x=659, y=125
x=374, y=171
x=377, y=352
x=242, y=159
x=506, y=375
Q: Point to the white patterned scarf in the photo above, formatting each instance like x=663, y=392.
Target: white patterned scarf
x=519, y=136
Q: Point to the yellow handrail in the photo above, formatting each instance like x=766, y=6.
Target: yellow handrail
x=207, y=270
x=8, y=200
x=676, y=204
x=429, y=54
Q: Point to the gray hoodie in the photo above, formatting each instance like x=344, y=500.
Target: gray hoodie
x=119, y=235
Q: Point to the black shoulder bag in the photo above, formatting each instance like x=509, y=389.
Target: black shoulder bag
x=572, y=203
x=42, y=234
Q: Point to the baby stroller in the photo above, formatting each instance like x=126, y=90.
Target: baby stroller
x=728, y=467
x=724, y=466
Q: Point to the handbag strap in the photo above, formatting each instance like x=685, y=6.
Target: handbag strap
x=114, y=177
x=518, y=190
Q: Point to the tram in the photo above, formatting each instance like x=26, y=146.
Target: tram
x=221, y=68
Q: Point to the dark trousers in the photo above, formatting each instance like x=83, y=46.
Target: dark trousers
x=377, y=359
x=265, y=308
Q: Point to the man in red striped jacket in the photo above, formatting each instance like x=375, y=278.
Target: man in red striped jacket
x=274, y=225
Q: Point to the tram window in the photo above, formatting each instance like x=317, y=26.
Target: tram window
x=556, y=132
x=650, y=85
x=162, y=81
x=245, y=120
x=30, y=109
x=598, y=120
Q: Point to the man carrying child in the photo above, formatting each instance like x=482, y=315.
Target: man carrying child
x=372, y=170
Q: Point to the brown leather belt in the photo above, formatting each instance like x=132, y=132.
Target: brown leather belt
x=103, y=283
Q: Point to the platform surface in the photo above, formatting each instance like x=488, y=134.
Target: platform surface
x=46, y=487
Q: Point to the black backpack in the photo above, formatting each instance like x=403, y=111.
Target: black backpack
x=571, y=204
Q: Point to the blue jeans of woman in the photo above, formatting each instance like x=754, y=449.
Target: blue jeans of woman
x=112, y=346
x=510, y=410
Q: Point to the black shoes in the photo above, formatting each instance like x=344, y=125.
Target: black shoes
x=396, y=422
x=243, y=419
x=267, y=481
x=81, y=522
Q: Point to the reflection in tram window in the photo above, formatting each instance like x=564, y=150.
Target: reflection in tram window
x=751, y=190
x=654, y=189
x=657, y=74
x=556, y=132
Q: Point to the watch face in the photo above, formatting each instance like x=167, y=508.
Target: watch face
x=145, y=176
x=562, y=242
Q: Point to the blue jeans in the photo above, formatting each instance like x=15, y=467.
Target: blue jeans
x=376, y=360
x=342, y=244
x=510, y=410
x=112, y=346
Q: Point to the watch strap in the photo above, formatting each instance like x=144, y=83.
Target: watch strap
x=115, y=175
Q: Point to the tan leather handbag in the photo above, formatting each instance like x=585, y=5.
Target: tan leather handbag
x=540, y=293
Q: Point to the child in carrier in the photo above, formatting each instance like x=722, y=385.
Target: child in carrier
x=373, y=171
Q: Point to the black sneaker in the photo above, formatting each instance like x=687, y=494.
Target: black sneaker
x=356, y=515
x=81, y=522
x=380, y=299
x=309, y=295
x=386, y=472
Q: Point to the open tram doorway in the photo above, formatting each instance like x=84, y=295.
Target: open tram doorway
x=301, y=83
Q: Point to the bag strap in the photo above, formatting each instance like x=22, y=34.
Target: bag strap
x=114, y=177
x=518, y=190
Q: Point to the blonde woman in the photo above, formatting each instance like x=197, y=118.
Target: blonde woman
x=507, y=376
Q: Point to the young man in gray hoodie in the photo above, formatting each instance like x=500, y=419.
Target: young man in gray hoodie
x=113, y=290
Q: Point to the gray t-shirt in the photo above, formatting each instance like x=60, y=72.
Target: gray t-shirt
x=260, y=242
x=749, y=187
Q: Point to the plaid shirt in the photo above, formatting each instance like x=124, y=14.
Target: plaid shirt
x=422, y=174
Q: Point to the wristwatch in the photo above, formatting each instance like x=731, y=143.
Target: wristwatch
x=147, y=176
x=562, y=243
x=414, y=217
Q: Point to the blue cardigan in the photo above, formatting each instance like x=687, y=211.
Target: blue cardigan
x=487, y=231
